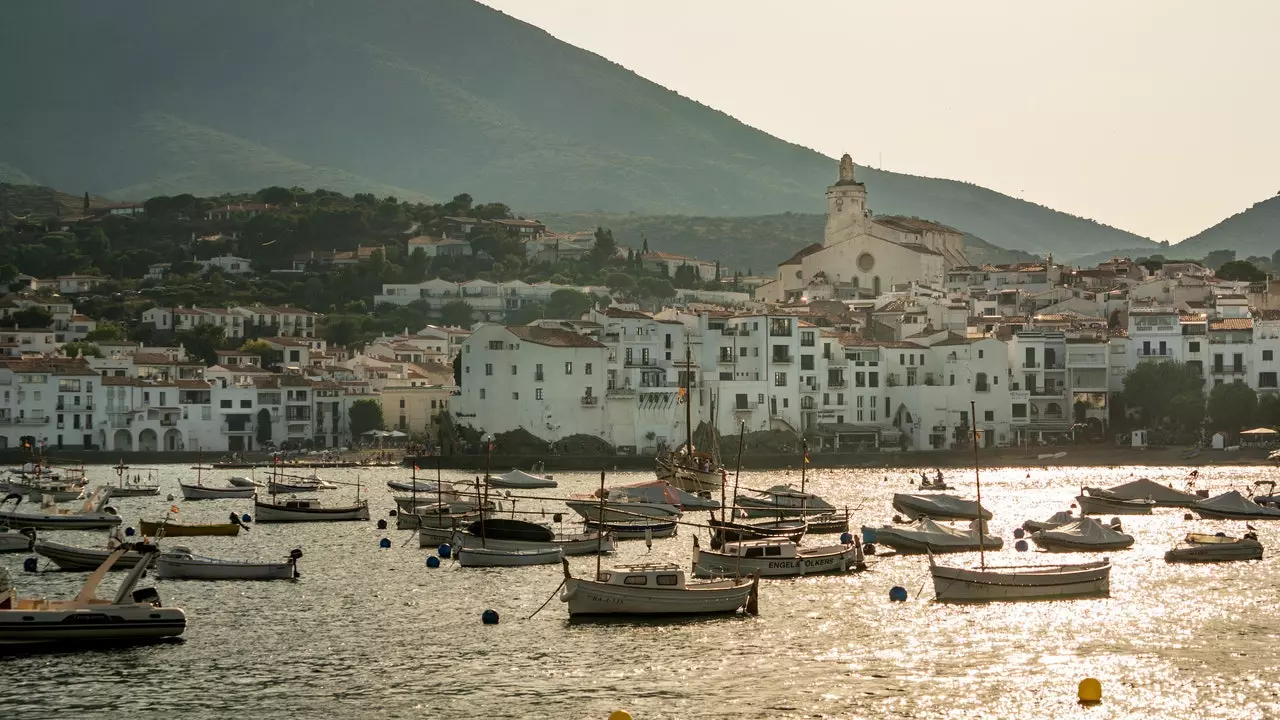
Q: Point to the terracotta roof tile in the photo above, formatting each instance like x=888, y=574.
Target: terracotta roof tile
x=552, y=338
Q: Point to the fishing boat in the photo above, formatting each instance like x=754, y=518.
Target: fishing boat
x=182, y=564
x=655, y=589
x=92, y=515
x=443, y=515
x=1082, y=535
x=1161, y=495
x=1264, y=493
x=723, y=531
x=655, y=492
x=1095, y=501
x=70, y=557
x=782, y=501
x=295, y=509
x=984, y=584
x=929, y=536
x=939, y=507
x=774, y=558
x=1058, y=519
x=45, y=490
x=1234, y=506
x=131, y=616
x=1198, y=548
x=200, y=491
x=17, y=540
x=243, y=482
x=519, y=479
x=636, y=529
x=135, y=486
x=173, y=528
x=281, y=484
x=832, y=523
x=507, y=534
x=687, y=467
x=621, y=510
x=490, y=557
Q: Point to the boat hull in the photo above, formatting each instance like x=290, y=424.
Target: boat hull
x=622, y=511
x=812, y=561
x=269, y=513
x=1217, y=552
x=723, y=532
x=576, y=545
x=1030, y=583
x=487, y=557
x=910, y=542
x=169, y=530
x=70, y=521
x=635, y=530
x=14, y=542
x=1055, y=544
x=202, y=492
x=196, y=568
x=69, y=557
x=1219, y=515
x=1091, y=505
x=916, y=507
x=101, y=624
x=587, y=597
x=135, y=491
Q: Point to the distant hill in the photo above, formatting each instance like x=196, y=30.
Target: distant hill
x=1255, y=231
x=755, y=243
x=414, y=98
x=41, y=202
x=14, y=176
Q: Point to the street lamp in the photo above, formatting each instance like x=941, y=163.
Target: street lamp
x=488, y=456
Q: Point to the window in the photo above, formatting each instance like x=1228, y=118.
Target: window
x=488, y=368
x=515, y=396
x=826, y=398
x=1194, y=346
x=481, y=393
x=1266, y=355
x=667, y=580
x=979, y=353
x=980, y=383
x=860, y=400
x=495, y=344
x=742, y=351
x=1020, y=410
x=225, y=403
x=635, y=580
x=243, y=403
x=902, y=358
x=586, y=369
x=806, y=362
x=859, y=416
x=859, y=379
x=1267, y=380
x=537, y=393
x=873, y=413
x=568, y=368
x=786, y=402
x=537, y=372
x=146, y=398
x=401, y=403
x=806, y=338
x=989, y=415
x=513, y=370
x=780, y=379
x=873, y=379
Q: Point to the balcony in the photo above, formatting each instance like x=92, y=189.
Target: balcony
x=244, y=430
x=620, y=392
x=28, y=420
x=640, y=362
x=746, y=407
x=811, y=387
x=838, y=384
x=590, y=400
x=1031, y=365
x=1155, y=353
x=781, y=359
x=1087, y=359
x=1228, y=369
x=727, y=359
x=1055, y=366
x=1048, y=391
x=538, y=377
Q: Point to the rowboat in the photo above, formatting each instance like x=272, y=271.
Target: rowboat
x=135, y=486
x=636, y=529
x=70, y=557
x=131, y=616
x=723, y=531
x=1094, y=501
x=587, y=543
x=939, y=507
x=832, y=523
x=307, y=510
x=1234, y=506
x=182, y=564
x=285, y=484
x=1216, y=548
x=521, y=480
x=93, y=515
x=173, y=528
x=207, y=492
x=17, y=541
x=655, y=589
x=782, y=501
x=489, y=557
x=243, y=482
x=1033, y=582
x=774, y=558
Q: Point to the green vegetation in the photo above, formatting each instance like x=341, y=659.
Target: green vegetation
x=435, y=95
x=1255, y=231
x=1168, y=395
x=365, y=415
x=1232, y=407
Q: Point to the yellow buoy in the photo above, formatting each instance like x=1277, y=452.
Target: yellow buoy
x=619, y=715
x=1090, y=691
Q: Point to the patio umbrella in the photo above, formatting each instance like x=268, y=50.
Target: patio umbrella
x=1260, y=431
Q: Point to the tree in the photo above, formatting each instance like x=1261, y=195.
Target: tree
x=620, y=283
x=33, y=318
x=568, y=304
x=276, y=195
x=604, y=249
x=1268, y=412
x=365, y=415
x=82, y=348
x=107, y=332
x=1218, y=258
x=267, y=355
x=202, y=342
x=1241, y=270
x=1232, y=406
x=655, y=288
x=456, y=312
x=1166, y=393
x=686, y=276
x=1275, y=259
x=263, y=431
x=341, y=330
x=457, y=370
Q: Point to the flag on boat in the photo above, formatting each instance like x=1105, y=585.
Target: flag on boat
x=173, y=508
x=682, y=395
x=806, y=458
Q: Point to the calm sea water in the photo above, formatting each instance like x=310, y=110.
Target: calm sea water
x=374, y=633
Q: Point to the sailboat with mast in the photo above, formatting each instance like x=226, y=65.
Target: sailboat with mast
x=687, y=468
x=1033, y=582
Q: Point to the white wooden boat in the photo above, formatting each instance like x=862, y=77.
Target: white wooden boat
x=774, y=558
x=929, y=536
x=521, y=480
x=490, y=557
x=782, y=501
x=655, y=590
x=293, y=509
x=1034, y=582
x=70, y=557
x=572, y=544
x=208, y=492
x=939, y=507
x=43, y=490
x=1161, y=495
x=243, y=482
x=1094, y=501
x=135, y=485
x=1234, y=506
x=698, y=478
x=17, y=540
x=621, y=510
x=659, y=492
x=93, y=515
x=446, y=515
x=1199, y=548
x=1058, y=519
x=131, y=616
x=723, y=531
x=1082, y=535
x=636, y=529
x=285, y=484
x=181, y=563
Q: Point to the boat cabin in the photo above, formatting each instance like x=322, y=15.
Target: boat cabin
x=300, y=504
x=770, y=548
x=662, y=576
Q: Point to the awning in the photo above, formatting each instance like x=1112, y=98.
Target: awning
x=1260, y=431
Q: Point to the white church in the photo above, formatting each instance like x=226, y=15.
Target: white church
x=864, y=255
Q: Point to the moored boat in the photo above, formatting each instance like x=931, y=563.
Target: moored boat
x=93, y=515
x=243, y=482
x=1234, y=506
x=654, y=589
x=1198, y=548
x=1161, y=495
x=621, y=510
x=929, y=536
x=1032, y=582
x=295, y=509
x=1082, y=535
x=1094, y=501
x=70, y=557
x=939, y=507
x=782, y=501
x=636, y=529
x=774, y=558
x=17, y=540
x=182, y=564
x=723, y=531
x=491, y=557
x=135, y=486
x=1058, y=519
x=173, y=528
x=518, y=479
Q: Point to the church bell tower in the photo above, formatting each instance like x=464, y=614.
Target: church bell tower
x=847, y=214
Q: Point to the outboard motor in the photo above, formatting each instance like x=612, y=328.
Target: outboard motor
x=148, y=596
x=294, y=556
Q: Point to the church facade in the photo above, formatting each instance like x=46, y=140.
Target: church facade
x=861, y=254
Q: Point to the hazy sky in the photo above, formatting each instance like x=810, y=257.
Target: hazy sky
x=1159, y=117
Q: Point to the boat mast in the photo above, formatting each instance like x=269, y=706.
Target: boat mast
x=688, y=398
x=742, y=442
x=440, y=497
x=804, y=465
x=977, y=481
x=600, y=529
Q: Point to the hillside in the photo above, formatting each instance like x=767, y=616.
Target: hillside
x=38, y=202
x=1255, y=231
x=756, y=243
x=414, y=98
